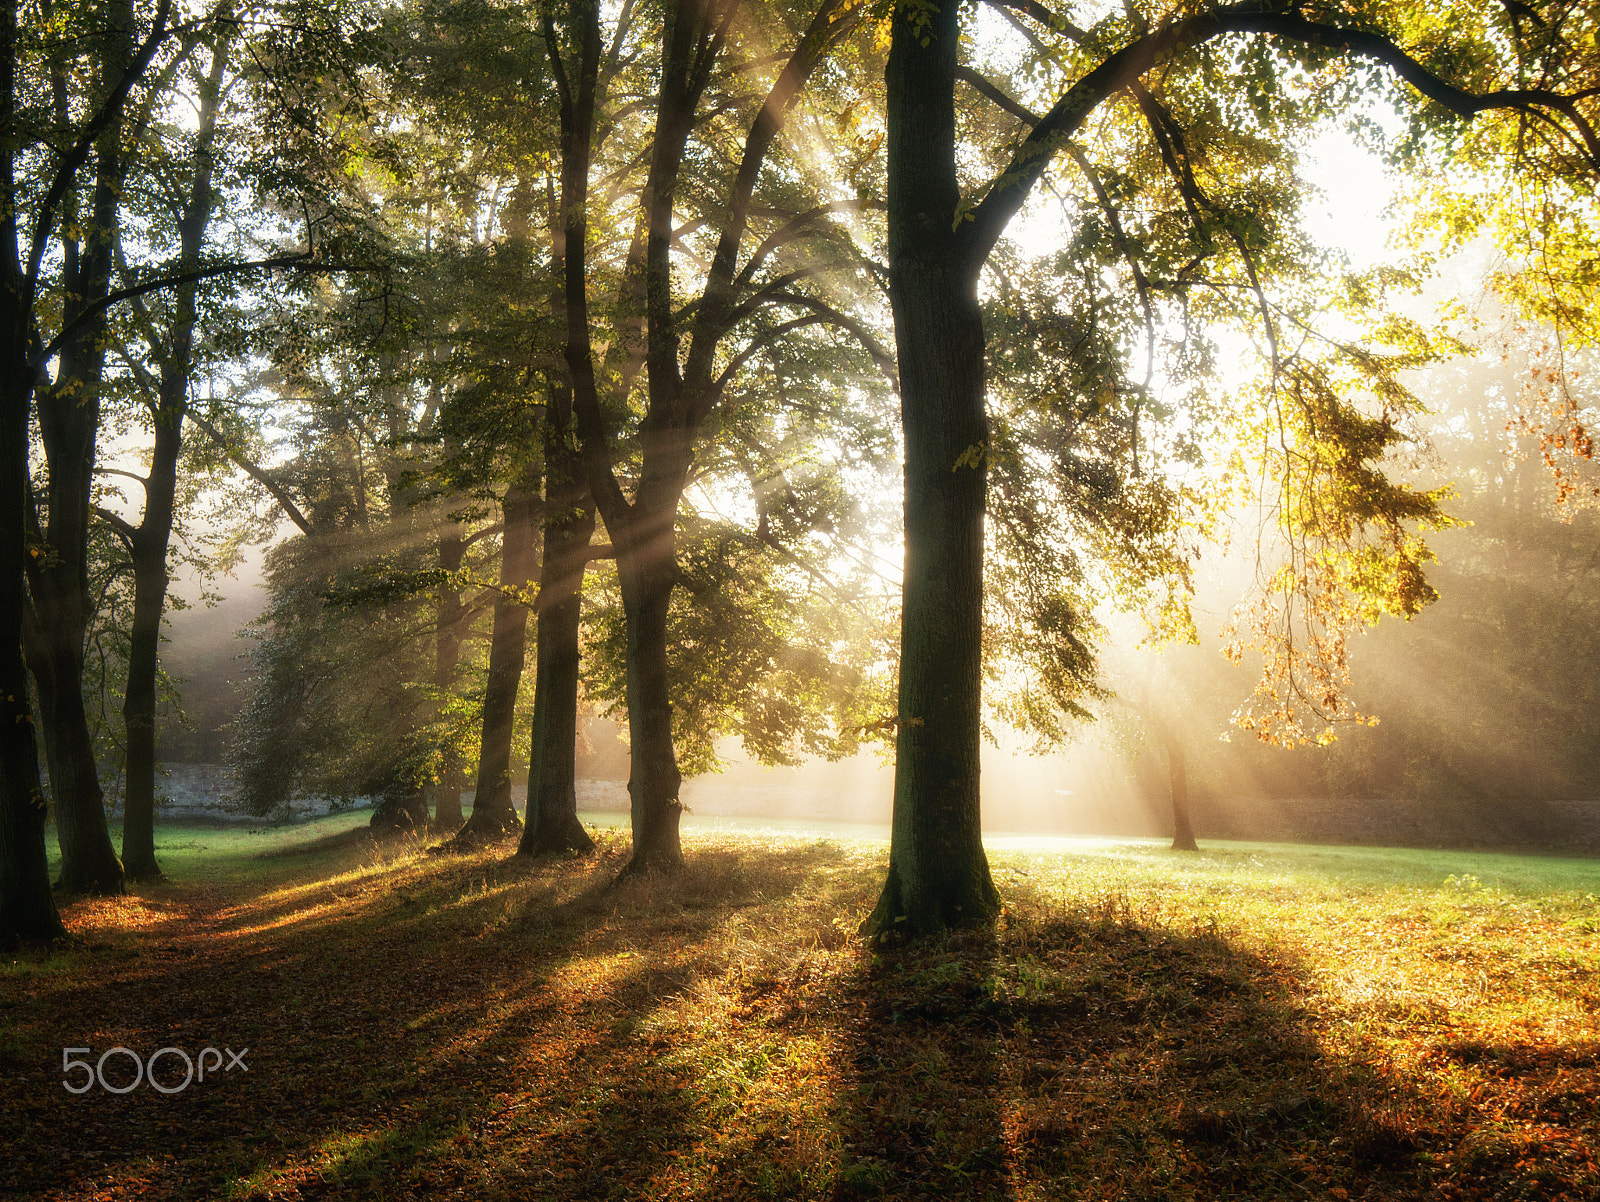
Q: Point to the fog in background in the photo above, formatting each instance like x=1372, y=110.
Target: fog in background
x=1488, y=703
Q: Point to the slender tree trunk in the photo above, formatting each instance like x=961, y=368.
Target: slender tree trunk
x=451, y=614
x=149, y=543
x=552, y=814
x=1178, y=777
x=938, y=873
x=493, y=813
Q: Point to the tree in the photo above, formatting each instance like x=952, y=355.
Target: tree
x=69, y=419
x=168, y=399
x=938, y=244
x=686, y=374
x=35, y=191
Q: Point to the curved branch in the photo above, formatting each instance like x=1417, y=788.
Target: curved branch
x=1047, y=18
x=857, y=330
x=300, y=259
x=255, y=471
x=989, y=91
x=117, y=471
x=757, y=345
x=120, y=525
x=795, y=228
x=984, y=222
x=1456, y=100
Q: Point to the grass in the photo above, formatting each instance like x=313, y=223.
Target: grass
x=1256, y=1021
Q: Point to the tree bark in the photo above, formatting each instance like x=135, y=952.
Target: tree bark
x=149, y=544
x=69, y=420
x=493, y=813
x=683, y=387
x=27, y=906
x=647, y=575
x=552, y=824
x=938, y=872
x=451, y=613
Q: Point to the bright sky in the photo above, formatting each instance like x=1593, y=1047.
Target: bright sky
x=1350, y=214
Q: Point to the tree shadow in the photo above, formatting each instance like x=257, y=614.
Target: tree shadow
x=392, y=1048
x=476, y=1027
x=1082, y=1054
x=923, y=1115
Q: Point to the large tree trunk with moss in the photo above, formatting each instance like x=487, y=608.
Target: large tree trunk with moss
x=493, y=814
x=552, y=814
x=938, y=873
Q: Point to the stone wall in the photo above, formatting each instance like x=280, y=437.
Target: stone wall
x=1488, y=824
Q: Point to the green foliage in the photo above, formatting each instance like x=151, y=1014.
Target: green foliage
x=759, y=648
x=340, y=699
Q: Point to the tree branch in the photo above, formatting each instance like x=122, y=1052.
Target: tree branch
x=67, y=170
x=880, y=356
x=124, y=530
x=989, y=91
x=257, y=473
x=983, y=223
x=304, y=260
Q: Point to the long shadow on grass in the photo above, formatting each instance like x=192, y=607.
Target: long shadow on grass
x=1083, y=1055
x=468, y=1031
x=923, y=1116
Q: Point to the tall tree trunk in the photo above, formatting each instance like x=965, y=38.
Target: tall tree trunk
x=1178, y=778
x=648, y=571
x=150, y=540
x=451, y=614
x=27, y=907
x=149, y=544
x=552, y=814
x=493, y=813
x=938, y=873
x=69, y=422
